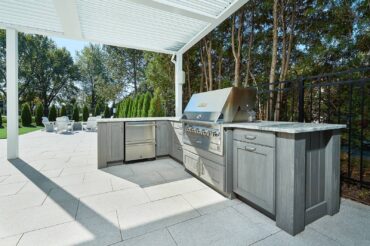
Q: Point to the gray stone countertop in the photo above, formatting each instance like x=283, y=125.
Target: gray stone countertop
x=286, y=127
x=139, y=119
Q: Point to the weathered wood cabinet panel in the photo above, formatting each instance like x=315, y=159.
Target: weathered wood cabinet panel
x=177, y=145
x=110, y=143
x=254, y=174
x=163, y=138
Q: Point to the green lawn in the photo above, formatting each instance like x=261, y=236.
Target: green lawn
x=22, y=130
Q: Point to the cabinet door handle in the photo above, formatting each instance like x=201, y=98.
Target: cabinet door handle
x=250, y=149
x=249, y=137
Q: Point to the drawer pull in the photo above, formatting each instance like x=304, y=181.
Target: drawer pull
x=249, y=137
x=250, y=149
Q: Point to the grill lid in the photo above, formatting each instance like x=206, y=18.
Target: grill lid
x=221, y=106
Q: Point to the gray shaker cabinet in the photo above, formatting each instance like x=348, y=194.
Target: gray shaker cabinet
x=254, y=174
x=110, y=143
x=163, y=138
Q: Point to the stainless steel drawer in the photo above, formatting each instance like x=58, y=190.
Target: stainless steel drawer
x=139, y=132
x=139, y=151
x=255, y=137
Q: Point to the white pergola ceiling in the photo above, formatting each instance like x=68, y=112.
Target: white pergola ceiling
x=166, y=26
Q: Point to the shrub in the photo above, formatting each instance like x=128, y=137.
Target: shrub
x=63, y=111
x=52, y=113
x=26, y=115
x=106, y=112
x=98, y=109
x=39, y=113
x=85, y=113
x=146, y=104
x=134, y=107
x=139, y=105
x=156, y=108
x=76, y=113
x=129, y=107
x=1, y=119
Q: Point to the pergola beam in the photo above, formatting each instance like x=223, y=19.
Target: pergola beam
x=12, y=93
x=225, y=14
x=68, y=14
x=175, y=10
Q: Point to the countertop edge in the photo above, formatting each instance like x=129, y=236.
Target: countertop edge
x=313, y=127
x=138, y=119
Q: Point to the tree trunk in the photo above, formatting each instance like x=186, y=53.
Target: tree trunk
x=237, y=51
x=273, y=62
x=283, y=58
x=208, y=45
x=250, y=44
x=219, y=76
x=286, y=51
x=187, y=67
x=135, y=73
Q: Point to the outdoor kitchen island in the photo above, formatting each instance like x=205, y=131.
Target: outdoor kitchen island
x=290, y=171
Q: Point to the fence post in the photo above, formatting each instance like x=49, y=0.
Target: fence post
x=300, y=100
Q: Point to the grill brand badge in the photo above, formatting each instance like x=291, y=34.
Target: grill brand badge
x=202, y=105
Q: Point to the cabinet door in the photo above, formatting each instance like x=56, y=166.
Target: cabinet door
x=115, y=141
x=163, y=137
x=254, y=174
x=191, y=162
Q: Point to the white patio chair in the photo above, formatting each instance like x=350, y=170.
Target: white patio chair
x=49, y=126
x=90, y=124
x=63, y=124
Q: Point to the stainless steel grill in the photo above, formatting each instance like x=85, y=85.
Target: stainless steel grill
x=206, y=112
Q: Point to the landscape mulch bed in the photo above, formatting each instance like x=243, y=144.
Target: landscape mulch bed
x=356, y=193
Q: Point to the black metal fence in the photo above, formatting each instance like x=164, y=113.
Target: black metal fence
x=340, y=98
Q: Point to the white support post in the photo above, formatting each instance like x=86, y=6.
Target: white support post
x=179, y=81
x=12, y=92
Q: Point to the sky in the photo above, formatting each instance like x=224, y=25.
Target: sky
x=71, y=45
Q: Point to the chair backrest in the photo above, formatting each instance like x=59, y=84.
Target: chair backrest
x=45, y=120
x=62, y=119
x=61, y=124
x=91, y=122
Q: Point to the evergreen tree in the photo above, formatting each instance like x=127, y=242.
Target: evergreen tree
x=39, y=114
x=156, y=107
x=98, y=110
x=129, y=107
x=146, y=104
x=76, y=113
x=134, y=106
x=26, y=116
x=85, y=113
x=63, y=111
x=53, y=113
x=106, y=112
x=139, y=105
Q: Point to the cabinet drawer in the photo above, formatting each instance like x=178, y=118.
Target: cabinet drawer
x=191, y=162
x=177, y=152
x=177, y=125
x=254, y=174
x=140, y=151
x=255, y=137
x=212, y=173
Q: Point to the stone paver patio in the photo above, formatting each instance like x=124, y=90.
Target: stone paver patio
x=54, y=195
